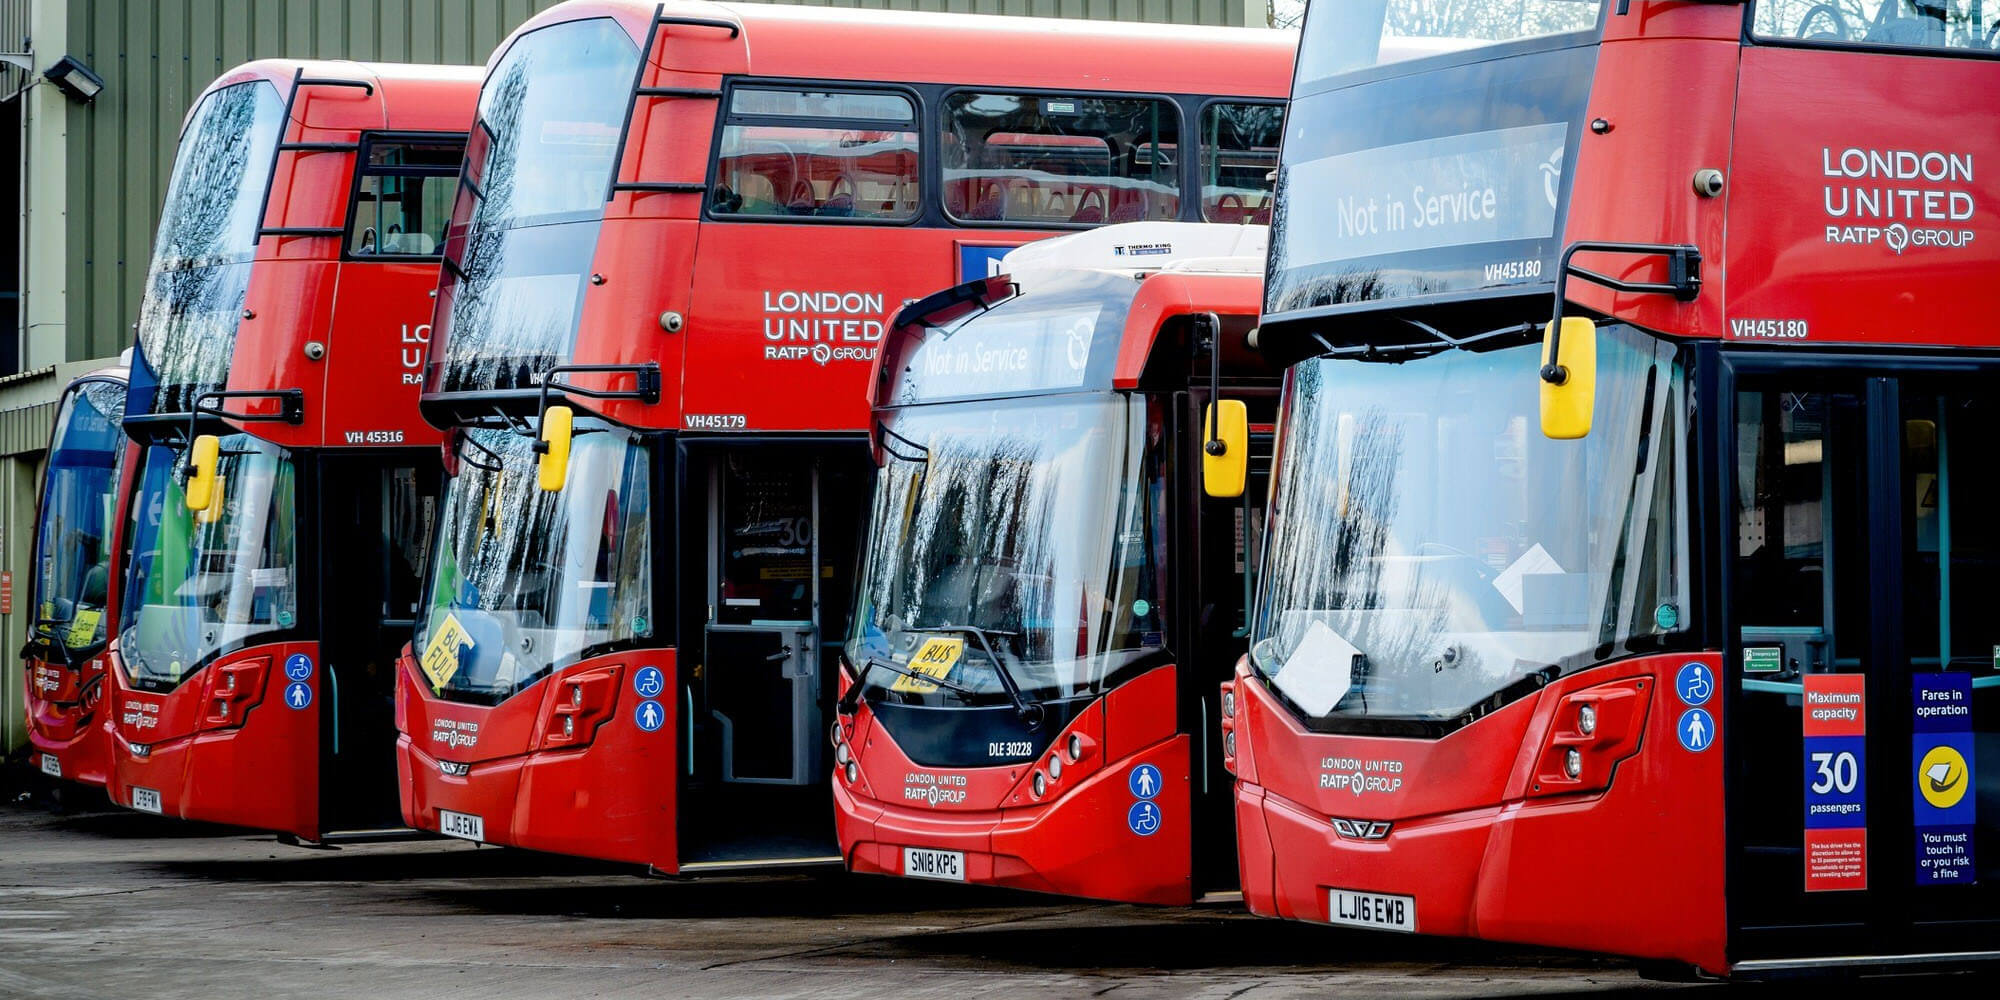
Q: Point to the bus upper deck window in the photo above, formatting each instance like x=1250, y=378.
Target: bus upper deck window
x=817, y=154
x=1060, y=159
x=1944, y=24
x=1239, y=151
x=403, y=197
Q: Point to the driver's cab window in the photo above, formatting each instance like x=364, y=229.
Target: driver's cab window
x=403, y=196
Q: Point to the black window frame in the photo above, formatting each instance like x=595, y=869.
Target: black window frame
x=726, y=116
x=362, y=171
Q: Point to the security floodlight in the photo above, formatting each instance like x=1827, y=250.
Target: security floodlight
x=75, y=79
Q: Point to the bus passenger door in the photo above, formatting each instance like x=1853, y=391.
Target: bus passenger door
x=1219, y=539
x=1860, y=689
x=378, y=516
x=779, y=533
x=762, y=657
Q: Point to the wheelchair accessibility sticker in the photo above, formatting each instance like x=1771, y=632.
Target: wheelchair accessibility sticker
x=1694, y=684
x=1143, y=818
x=649, y=682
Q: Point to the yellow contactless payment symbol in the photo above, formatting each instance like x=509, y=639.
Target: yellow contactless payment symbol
x=1941, y=777
x=441, y=655
x=934, y=658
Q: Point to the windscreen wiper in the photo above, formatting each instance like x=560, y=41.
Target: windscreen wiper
x=898, y=668
x=1030, y=712
x=848, y=702
x=50, y=641
x=1436, y=340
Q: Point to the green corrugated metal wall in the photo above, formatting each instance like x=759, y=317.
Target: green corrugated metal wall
x=156, y=55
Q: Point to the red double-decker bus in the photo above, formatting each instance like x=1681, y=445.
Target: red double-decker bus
x=76, y=536
x=682, y=232
x=1048, y=599
x=286, y=487
x=1625, y=585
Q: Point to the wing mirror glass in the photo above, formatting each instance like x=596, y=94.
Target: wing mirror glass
x=202, y=455
x=1225, y=455
x=1569, y=378
x=553, y=468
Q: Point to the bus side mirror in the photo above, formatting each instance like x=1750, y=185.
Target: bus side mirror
x=213, y=512
x=553, y=468
x=202, y=455
x=1225, y=455
x=1569, y=378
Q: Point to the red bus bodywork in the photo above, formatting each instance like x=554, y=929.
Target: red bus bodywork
x=66, y=689
x=1059, y=819
x=324, y=365
x=761, y=332
x=1650, y=844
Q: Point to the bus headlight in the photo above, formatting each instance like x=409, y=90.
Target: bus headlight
x=1055, y=767
x=1573, y=763
x=1229, y=743
x=852, y=772
x=1586, y=719
x=1075, y=747
x=1228, y=703
x=842, y=754
x=1040, y=784
x=839, y=734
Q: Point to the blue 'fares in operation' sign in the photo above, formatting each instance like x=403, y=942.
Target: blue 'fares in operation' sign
x=1943, y=798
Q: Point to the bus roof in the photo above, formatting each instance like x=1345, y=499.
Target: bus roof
x=413, y=97
x=845, y=43
x=1145, y=247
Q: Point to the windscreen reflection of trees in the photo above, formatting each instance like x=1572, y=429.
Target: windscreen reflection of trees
x=1422, y=517
x=1032, y=521
x=203, y=581
x=552, y=111
x=576, y=561
x=1328, y=551
x=207, y=236
x=969, y=561
x=992, y=532
x=75, y=543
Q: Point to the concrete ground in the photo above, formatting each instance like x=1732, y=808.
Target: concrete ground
x=100, y=902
